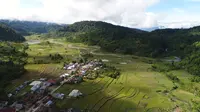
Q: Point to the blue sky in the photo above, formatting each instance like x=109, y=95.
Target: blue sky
x=192, y=6
x=30, y=4
x=132, y=13
x=165, y=5
x=185, y=13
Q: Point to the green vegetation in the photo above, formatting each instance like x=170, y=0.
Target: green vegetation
x=172, y=77
x=12, y=62
x=164, y=66
x=137, y=88
x=7, y=34
x=31, y=27
x=192, y=60
x=196, y=106
x=118, y=39
x=126, y=82
x=110, y=71
x=195, y=79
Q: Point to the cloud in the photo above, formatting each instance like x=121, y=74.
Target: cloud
x=180, y=18
x=123, y=12
x=178, y=10
x=6, y=4
x=181, y=24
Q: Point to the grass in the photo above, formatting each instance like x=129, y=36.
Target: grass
x=135, y=90
x=33, y=37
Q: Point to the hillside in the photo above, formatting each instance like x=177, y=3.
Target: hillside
x=29, y=27
x=8, y=34
x=112, y=38
x=109, y=37
x=173, y=41
x=85, y=26
x=12, y=61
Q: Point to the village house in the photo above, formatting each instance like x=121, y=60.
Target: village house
x=58, y=95
x=43, y=79
x=52, y=82
x=75, y=93
x=35, y=83
x=35, y=87
x=65, y=75
x=49, y=103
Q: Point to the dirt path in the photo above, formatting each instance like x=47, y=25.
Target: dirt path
x=56, y=89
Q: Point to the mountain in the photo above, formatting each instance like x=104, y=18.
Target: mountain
x=109, y=37
x=8, y=34
x=150, y=29
x=154, y=28
x=85, y=26
x=29, y=27
x=113, y=38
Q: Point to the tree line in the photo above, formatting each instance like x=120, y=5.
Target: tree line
x=112, y=38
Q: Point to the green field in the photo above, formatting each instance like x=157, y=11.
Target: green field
x=138, y=88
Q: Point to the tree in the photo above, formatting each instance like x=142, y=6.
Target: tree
x=12, y=61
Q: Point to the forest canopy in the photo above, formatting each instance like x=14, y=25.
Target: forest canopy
x=12, y=61
x=125, y=40
x=8, y=34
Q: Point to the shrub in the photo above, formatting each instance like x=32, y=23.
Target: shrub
x=160, y=68
x=158, y=91
x=172, y=77
x=164, y=67
x=195, y=79
x=134, y=57
x=165, y=91
x=56, y=57
x=148, y=61
x=175, y=87
x=110, y=71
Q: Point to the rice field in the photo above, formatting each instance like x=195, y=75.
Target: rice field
x=138, y=89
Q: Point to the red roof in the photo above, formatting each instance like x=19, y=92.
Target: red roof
x=8, y=110
x=52, y=81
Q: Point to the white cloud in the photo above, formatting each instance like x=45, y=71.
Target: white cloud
x=8, y=7
x=180, y=18
x=178, y=10
x=123, y=12
x=132, y=13
x=181, y=24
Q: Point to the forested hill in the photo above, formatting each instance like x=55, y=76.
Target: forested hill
x=109, y=37
x=131, y=41
x=29, y=27
x=8, y=34
x=85, y=26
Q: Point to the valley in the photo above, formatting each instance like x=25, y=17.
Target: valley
x=137, y=89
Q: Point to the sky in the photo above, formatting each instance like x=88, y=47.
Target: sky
x=131, y=13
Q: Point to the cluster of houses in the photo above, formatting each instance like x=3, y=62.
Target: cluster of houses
x=78, y=71
x=40, y=94
x=42, y=84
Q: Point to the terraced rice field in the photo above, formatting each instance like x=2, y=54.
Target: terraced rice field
x=135, y=90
